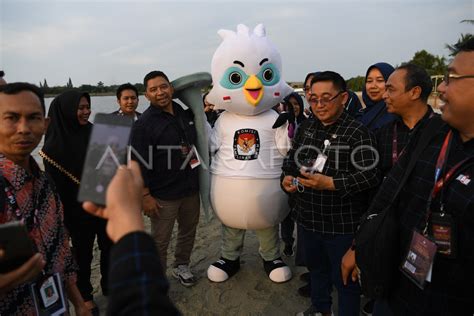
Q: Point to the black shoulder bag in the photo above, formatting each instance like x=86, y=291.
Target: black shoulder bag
x=377, y=241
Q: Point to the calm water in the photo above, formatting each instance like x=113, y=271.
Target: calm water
x=105, y=104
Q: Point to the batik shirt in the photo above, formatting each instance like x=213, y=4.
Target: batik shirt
x=31, y=200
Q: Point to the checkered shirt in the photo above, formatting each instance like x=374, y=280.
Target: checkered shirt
x=334, y=212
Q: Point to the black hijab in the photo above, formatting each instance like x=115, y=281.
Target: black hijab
x=66, y=140
x=300, y=118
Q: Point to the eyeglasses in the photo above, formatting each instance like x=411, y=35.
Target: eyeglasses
x=325, y=100
x=448, y=76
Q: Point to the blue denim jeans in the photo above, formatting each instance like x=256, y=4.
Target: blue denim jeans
x=324, y=253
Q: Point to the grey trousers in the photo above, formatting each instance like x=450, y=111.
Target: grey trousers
x=185, y=211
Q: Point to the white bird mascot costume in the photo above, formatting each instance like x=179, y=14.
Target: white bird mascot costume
x=247, y=153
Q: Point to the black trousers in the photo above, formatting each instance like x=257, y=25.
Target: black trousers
x=83, y=233
x=287, y=227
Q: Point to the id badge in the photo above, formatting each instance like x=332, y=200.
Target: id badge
x=319, y=163
x=418, y=262
x=444, y=234
x=194, y=161
x=48, y=295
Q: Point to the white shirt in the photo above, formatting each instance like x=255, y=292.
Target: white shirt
x=247, y=146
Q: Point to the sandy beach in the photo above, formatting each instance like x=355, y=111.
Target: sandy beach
x=249, y=292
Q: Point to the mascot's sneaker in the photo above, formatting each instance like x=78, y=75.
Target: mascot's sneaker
x=223, y=269
x=277, y=270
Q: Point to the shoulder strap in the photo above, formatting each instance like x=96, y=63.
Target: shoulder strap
x=427, y=134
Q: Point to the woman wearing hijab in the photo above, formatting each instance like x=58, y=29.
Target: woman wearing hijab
x=295, y=107
x=64, y=153
x=375, y=114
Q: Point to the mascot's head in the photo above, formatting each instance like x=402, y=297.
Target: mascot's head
x=246, y=72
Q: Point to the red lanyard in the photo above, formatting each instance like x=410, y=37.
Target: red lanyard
x=394, y=145
x=440, y=163
x=395, y=154
x=439, y=182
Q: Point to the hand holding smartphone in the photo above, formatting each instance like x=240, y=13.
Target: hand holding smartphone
x=107, y=150
x=16, y=246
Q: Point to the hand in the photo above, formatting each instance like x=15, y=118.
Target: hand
x=26, y=272
x=316, y=181
x=123, y=203
x=288, y=185
x=151, y=207
x=348, y=266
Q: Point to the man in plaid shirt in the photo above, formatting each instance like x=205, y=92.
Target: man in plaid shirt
x=329, y=169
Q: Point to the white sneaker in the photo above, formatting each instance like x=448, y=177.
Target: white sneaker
x=184, y=275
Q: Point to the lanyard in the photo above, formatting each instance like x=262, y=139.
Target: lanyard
x=20, y=215
x=440, y=181
x=395, y=154
x=394, y=145
x=440, y=163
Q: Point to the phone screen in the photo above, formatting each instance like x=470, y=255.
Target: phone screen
x=107, y=150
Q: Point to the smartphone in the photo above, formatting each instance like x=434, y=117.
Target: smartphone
x=107, y=150
x=16, y=244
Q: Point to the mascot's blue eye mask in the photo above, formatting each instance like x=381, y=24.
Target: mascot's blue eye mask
x=235, y=78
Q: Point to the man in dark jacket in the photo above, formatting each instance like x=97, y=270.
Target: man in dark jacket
x=166, y=134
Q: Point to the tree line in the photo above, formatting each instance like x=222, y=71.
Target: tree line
x=99, y=88
x=434, y=65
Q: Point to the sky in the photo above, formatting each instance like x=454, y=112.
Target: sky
x=120, y=41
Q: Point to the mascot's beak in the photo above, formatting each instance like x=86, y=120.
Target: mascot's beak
x=253, y=90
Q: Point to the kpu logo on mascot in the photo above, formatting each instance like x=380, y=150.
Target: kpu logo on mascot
x=247, y=153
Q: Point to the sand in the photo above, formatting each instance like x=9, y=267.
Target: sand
x=249, y=292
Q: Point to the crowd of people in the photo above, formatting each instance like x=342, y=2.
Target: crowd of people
x=362, y=152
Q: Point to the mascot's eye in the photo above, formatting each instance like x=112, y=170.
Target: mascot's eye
x=268, y=74
x=235, y=78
